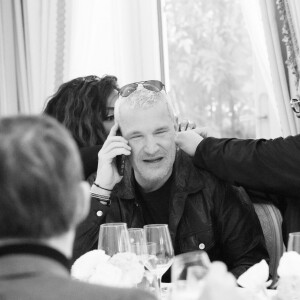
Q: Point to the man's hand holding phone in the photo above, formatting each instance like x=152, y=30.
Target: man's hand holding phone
x=107, y=173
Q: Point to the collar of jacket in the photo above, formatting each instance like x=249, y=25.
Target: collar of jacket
x=23, y=260
x=188, y=178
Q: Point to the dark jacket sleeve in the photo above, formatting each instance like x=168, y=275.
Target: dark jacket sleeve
x=87, y=232
x=242, y=239
x=89, y=158
x=270, y=166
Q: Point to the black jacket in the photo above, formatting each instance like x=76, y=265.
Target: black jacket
x=204, y=213
x=269, y=166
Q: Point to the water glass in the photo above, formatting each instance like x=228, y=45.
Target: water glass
x=294, y=242
x=137, y=241
x=187, y=272
x=114, y=238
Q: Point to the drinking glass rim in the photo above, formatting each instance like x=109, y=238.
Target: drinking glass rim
x=136, y=229
x=294, y=233
x=114, y=224
x=155, y=225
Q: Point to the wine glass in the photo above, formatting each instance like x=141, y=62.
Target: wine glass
x=294, y=242
x=160, y=250
x=114, y=238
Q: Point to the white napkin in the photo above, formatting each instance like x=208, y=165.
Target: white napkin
x=85, y=266
x=255, y=278
x=121, y=270
x=289, y=264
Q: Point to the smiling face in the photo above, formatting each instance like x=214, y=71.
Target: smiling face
x=151, y=135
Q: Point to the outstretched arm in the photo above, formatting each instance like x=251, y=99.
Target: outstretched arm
x=266, y=165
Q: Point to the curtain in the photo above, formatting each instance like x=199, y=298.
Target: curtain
x=290, y=14
x=116, y=37
x=44, y=43
x=29, y=57
x=260, y=16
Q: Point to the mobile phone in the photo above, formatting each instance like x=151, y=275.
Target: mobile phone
x=120, y=160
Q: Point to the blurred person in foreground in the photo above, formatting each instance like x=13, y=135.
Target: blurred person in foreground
x=42, y=200
x=269, y=166
x=162, y=186
x=85, y=105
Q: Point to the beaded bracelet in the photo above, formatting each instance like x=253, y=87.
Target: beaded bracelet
x=100, y=187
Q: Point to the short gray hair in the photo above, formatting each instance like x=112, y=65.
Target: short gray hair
x=40, y=172
x=143, y=98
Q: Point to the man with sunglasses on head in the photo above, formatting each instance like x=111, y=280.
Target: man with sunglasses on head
x=269, y=166
x=162, y=186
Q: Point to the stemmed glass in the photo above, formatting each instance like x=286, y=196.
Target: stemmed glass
x=114, y=238
x=138, y=242
x=160, y=250
x=294, y=242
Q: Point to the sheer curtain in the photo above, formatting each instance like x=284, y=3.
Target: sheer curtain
x=290, y=14
x=260, y=16
x=28, y=55
x=117, y=37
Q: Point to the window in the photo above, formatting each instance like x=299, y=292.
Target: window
x=214, y=77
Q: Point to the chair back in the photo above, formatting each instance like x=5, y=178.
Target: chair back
x=271, y=222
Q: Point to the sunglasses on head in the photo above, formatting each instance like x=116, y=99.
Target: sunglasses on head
x=295, y=104
x=151, y=85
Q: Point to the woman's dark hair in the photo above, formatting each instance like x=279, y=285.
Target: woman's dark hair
x=80, y=104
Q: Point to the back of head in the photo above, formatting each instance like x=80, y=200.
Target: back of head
x=80, y=104
x=40, y=171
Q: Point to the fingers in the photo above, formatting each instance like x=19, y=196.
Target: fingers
x=116, y=147
x=114, y=140
x=113, y=130
x=183, y=125
x=192, y=125
x=186, y=125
